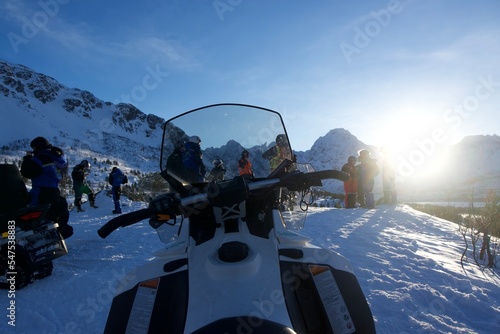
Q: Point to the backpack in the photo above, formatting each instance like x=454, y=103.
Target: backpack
x=13, y=192
x=30, y=167
x=117, y=178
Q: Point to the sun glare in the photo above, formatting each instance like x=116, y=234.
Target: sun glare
x=415, y=147
x=401, y=129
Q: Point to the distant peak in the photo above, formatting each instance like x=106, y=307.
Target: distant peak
x=478, y=139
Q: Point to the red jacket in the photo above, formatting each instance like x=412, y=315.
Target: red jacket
x=351, y=185
x=245, y=167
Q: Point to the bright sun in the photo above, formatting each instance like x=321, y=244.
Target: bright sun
x=402, y=129
x=415, y=144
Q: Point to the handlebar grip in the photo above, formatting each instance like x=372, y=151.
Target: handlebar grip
x=122, y=221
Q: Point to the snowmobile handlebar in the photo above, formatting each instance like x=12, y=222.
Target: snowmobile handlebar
x=294, y=181
x=328, y=174
x=122, y=221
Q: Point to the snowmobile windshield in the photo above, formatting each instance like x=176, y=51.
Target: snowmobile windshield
x=247, y=140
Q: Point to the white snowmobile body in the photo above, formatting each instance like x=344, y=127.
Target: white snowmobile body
x=236, y=268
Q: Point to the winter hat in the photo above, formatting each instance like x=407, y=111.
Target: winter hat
x=39, y=143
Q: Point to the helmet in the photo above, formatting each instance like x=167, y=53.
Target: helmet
x=39, y=143
x=243, y=153
x=85, y=164
x=194, y=139
x=281, y=140
x=217, y=161
x=352, y=158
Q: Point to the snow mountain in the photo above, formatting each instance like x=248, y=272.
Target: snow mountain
x=34, y=104
x=469, y=170
x=483, y=152
x=86, y=127
x=331, y=151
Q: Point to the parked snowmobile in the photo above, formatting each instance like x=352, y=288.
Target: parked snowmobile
x=236, y=263
x=30, y=241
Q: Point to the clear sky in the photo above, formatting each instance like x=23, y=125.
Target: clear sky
x=390, y=72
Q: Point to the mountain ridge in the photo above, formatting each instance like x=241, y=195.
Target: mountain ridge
x=35, y=104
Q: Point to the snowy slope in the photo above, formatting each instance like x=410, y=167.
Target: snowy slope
x=408, y=264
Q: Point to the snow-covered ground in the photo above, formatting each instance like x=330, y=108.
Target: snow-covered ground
x=408, y=264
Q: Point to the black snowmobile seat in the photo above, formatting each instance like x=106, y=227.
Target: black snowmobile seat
x=13, y=192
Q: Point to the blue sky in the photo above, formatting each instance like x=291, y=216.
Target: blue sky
x=411, y=73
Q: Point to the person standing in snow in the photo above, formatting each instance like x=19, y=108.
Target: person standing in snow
x=388, y=177
x=43, y=166
x=245, y=166
x=217, y=173
x=366, y=172
x=116, y=179
x=278, y=153
x=81, y=186
x=194, y=169
x=351, y=185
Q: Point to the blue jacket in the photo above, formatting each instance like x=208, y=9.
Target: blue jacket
x=117, y=178
x=46, y=163
x=195, y=169
x=51, y=160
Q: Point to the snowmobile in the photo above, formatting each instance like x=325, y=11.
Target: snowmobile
x=235, y=261
x=30, y=241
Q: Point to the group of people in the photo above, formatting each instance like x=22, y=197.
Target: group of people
x=116, y=179
x=359, y=188
x=45, y=166
x=186, y=161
